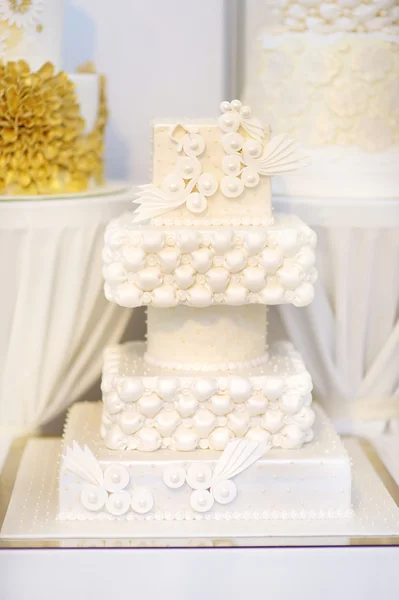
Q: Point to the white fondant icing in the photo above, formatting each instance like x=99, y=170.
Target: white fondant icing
x=235, y=264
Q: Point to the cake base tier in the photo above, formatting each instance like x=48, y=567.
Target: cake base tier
x=314, y=482
x=33, y=508
x=148, y=407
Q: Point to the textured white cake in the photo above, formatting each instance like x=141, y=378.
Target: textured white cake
x=203, y=420
x=327, y=72
x=242, y=483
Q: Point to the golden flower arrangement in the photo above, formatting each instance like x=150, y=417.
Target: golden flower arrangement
x=43, y=147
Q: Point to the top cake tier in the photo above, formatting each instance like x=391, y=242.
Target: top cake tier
x=52, y=123
x=210, y=172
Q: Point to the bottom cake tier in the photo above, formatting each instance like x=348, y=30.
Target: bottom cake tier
x=245, y=481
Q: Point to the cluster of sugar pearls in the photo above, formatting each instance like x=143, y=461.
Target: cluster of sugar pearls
x=199, y=268
x=184, y=414
x=337, y=16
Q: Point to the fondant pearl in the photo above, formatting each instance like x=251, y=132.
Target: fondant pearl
x=253, y=278
x=225, y=106
x=218, y=279
x=228, y=121
x=246, y=112
x=289, y=276
x=235, y=260
x=258, y=434
x=204, y=421
x=133, y=258
x=301, y=382
x=202, y=260
x=224, y=492
x=204, y=389
x=291, y=436
x=188, y=240
x=173, y=187
x=130, y=421
x=273, y=387
x=169, y=259
x=272, y=294
x=115, y=439
x=185, y=276
x=167, y=388
x=150, y=405
x=289, y=242
x=232, y=186
x=164, y=296
x=199, y=296
x=116, y=478
x=222, y=241
x=142, y=500
x=149, y=278
x=303, y=295
x=201, y=500
x=256, y=405
x=219, y=438
x=270, y=260
x=118, y=503
x=153, y=241
x=148, y=439
x=221, y=404
x=273, y=420
x=236, y=295
x=306, y=257
x=187, y=405
x=113, y=403
x=196, y=202
x=185, y=439
x=304, y=418
x=236, y=105
x=290, y=401
x=167, y=422
x=174, y=476
x=240, y=389
x=130, y=389
x=198, y=475
x=238, y=422
x=92, y=497
x=129, y=295
x=114, y=273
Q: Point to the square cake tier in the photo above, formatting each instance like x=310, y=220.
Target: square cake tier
x=245, y=481
x=204, y=266
x=147, y=407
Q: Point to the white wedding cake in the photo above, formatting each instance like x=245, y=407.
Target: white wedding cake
x=327, y=73
x=204, y=420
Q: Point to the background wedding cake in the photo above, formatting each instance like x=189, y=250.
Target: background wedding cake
x=204, y=420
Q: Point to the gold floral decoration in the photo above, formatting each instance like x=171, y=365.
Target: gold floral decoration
x=43, y=147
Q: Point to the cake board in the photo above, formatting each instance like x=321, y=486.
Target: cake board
x=32, y=512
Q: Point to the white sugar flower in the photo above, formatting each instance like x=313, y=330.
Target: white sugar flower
x=231, y=164
x=231, y=187
x=232, y=142
x=188, y=167
x=250, y=177
x=21, y=13
x=196, y=202
x=173, y=185
x=193, y=144
x=229, y=121
x=207, y=184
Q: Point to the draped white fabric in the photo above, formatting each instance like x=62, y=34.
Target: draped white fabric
x=349, y=335
x=55, y=320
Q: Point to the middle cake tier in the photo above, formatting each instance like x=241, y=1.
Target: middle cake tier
x=213, y=338
x=148, y=407
x=205, y=266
